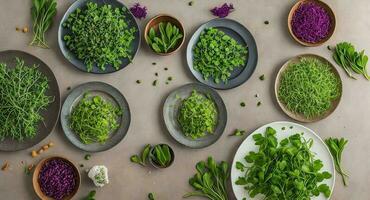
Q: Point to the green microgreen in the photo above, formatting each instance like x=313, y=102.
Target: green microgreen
x=165, y=39
x=161, y=155
x=216, y=55
x=91, y=195
x=87, y=157
x=141, y=159
x=197, y=115
x=94, y=119
x=238, y=132
x=336, y=147
x=99, y=35
x=151, y=196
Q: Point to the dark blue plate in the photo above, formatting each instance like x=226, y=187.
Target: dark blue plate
x=241, y=34
x=79, y=63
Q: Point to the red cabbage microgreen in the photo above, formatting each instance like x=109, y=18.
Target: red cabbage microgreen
x=222, y=11
x=138, y=11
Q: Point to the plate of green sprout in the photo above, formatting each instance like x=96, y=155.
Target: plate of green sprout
x=108, y=47
x=95, y=116
x=195, y=115
x=222, y=54
x=308, y=88
x=283, y=160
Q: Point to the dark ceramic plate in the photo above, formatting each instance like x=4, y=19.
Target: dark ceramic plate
x=51, y=113
x=79, y=63
x=170, y=112
x=237, y=31
x=109, y=93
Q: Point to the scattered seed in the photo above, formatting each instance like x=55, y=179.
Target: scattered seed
x=166, y=82
x=256, y=95
x=165, y=68
x=283, y=128
x=242, y=104
x=291, y=127
x=156, y=74
x=237, y=132
x=51, y=144
x=267, y=22
x=155, y=83
x=191, y=3
x=259, y=103
x=5, y=166
x=138, y=81
x=169, y=78
x=25, y=30
x=329, y=48
x=33, y=153
x=45, y=147
x=87, y=157
x=40, y=151
x=262, y=77
x=69, y=88
x=81, y=165
x=153, y=63
x=17, y=29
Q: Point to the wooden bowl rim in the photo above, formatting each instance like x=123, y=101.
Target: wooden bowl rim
x=36, y=172
x=148, y=26
x=297, y=116
x=332, y=19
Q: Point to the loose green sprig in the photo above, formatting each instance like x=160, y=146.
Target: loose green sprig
x=197, y=115
x=162, y=155
x=42, y=14
x=349, y=59
x=210, y=180
x=99, y=35
x=141, y=159
x=308, y=87
x=93, y=119
x=283, y=170
x=91, y=195
x=238, y=132
x=151, y=196
x=216, y=55
x=22, y=98
x=166, y=39
x=336, y=147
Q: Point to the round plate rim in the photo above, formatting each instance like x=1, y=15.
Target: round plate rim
x=300, y=117
x=310, y=131
x=194, y=85
x=65, y=52
x=64, y=123
x=190, y=60
x=57, y=98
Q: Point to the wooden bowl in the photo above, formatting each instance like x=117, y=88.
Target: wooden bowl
x=35, y=178
x=154, y=23
x=298, y=116
x=323, y=5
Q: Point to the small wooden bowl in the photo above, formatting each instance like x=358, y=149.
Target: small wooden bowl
x=154, y=22
x=154, y=164
x=35, y=178
x=298, y=116
x=323, y=5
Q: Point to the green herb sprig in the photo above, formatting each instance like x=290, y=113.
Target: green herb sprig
x=210, y=180
x=197, y=115
x=283, y=170
x=93, y=119
x=99, y=35
x=91, y=195
x=22, y=98
x=349, y=59
x=142, y=159
x=165, y=39
x=151, y=196
x=308, y=87
x=161, y=155
x=216, y=55
x=42, y=14
x=336, y=147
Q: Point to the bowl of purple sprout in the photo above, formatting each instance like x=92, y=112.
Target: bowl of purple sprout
x=56, y=178
x=311, y=22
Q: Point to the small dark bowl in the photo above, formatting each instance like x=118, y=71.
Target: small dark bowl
x=79, y=64
x=154, y=22
x=156, y=165
x=35, y=178
x=323, y=5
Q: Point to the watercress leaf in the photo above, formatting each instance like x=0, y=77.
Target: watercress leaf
x=145, y=153
x=241, y=181
x=169, y=31
x=152, y=33
x=156, y=48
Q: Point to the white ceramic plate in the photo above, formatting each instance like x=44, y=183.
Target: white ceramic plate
x=318, y=147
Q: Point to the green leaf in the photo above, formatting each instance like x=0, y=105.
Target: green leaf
x=156, y=48
x=152, y=33
x=145, y=153
x=169, y=31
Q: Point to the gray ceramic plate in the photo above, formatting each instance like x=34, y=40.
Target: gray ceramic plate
x=50, y=115
x=170, y=111
x=109, y=93
x=237, y=31
x=79, y=63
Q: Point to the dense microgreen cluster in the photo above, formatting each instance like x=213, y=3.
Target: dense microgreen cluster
x=283, y=170
x=197, y=115
x=22, y=98
x=42, y=14
x=161, y=155
x=93, y=119
x=349, y=59
x=216, y=55
x=99, y=35
x=166, y=39
x=336, y=147
x=210, y=180
x=308, y=87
